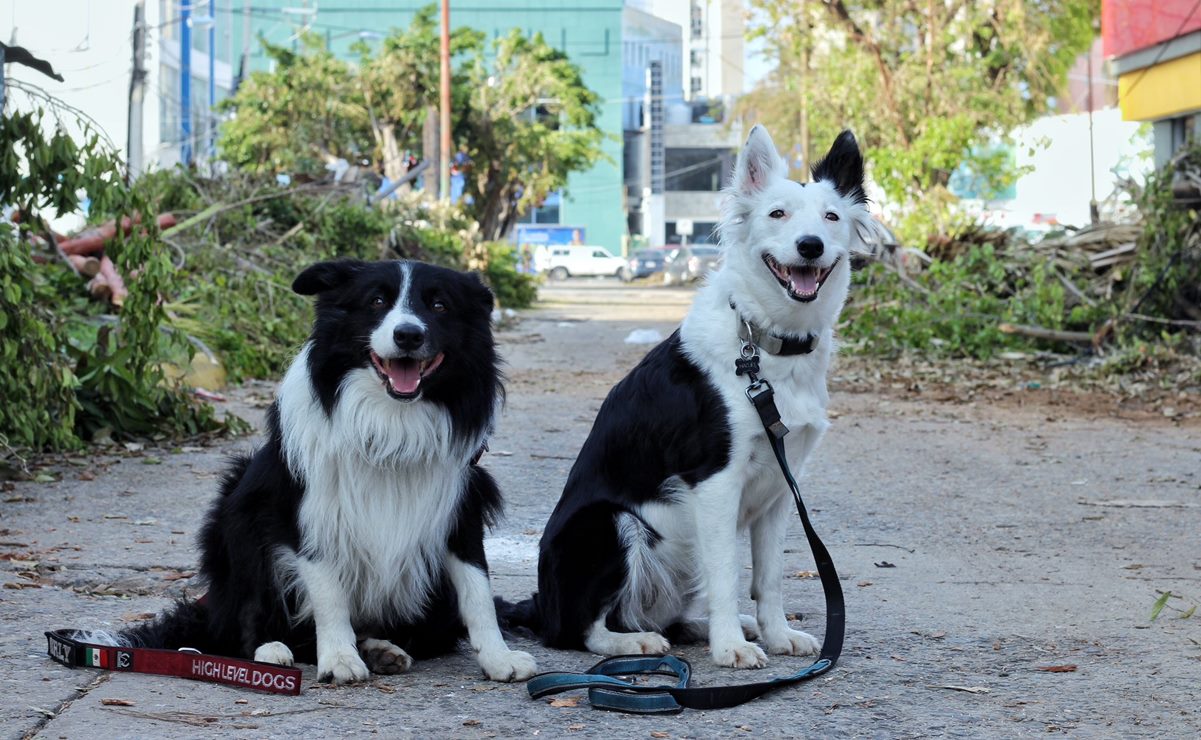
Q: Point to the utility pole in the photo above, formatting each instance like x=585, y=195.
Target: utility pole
x=137, y=92
x=444, y=132
x=1094, y=213
x=185, y=82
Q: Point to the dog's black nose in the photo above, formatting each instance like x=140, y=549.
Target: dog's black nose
x=810, y=247
x=408, y=336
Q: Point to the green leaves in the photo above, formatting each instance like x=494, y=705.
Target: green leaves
x=922, y=102
x=62, y=372
x=531, y=121
x=521, y=113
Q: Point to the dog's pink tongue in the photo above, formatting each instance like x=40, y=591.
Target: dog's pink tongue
x=404, y=374
x=803, y=279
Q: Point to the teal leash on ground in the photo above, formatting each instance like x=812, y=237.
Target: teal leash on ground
x=607, y=691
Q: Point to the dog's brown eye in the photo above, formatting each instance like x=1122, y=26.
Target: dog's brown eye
x=778, y=213
x=831, y=216
x=438, y=306
x=377, y=301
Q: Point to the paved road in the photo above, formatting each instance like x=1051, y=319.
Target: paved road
x=1021, y=540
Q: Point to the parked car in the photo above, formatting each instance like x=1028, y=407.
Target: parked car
x=688, y=263
x=645, y=262
x=563, y=261
x=703, y=261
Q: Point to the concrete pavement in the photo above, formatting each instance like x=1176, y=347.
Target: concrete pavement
x=978, y=546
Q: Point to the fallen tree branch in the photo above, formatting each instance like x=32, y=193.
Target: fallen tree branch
x=94, y=239
x=1038, y=332
x=219, y=208
x=1196, y=325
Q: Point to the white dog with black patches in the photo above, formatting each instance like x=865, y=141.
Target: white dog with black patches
x=643, y=541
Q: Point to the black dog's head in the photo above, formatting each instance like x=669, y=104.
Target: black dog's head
x=425, y=331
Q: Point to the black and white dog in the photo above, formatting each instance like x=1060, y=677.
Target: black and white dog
x=355, y=535
x=643, y=541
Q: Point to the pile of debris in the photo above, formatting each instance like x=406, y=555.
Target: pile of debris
x=85, y=252
x=1096, y=255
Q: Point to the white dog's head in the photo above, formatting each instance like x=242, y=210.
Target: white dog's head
x=788, y=245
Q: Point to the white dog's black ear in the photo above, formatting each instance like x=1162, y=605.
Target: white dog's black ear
x=758, y=162
x=322, y=276
x=842, y=167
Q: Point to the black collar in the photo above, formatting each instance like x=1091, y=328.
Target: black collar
x=773, y=344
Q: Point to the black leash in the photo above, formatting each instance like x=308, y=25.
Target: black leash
x=606, y=691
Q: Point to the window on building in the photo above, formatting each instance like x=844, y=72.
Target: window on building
x=696, y=85
x=696, y=169
x=168, y=105
x=702, y=233
x=547, y=213
x=698, y=21
x=1183, y=131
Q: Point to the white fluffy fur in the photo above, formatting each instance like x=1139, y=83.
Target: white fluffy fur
x=382, y=483
x=383, y=480
x=700, y=530
x=479, y=614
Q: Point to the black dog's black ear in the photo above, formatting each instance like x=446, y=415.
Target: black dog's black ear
x=842, y=167
x=325, y=275
x=481, y=292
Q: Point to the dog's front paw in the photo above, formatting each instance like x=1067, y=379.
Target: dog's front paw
x=791, y=642
x=383, y=657
x=741, y=654
x=604, y=642
x=341, y=665
x=274, y=652
x=508, y=665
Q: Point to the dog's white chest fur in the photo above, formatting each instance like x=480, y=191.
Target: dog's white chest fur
x=710, y=339
x=381, y=488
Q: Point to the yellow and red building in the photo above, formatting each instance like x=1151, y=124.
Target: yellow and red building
x=1154, y=48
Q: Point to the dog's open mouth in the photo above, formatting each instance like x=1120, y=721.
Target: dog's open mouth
x=402, y=376
x=801, y=281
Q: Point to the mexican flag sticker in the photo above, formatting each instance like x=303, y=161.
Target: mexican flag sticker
x=95, y=657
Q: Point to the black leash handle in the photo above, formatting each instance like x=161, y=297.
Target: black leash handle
x=606, y=691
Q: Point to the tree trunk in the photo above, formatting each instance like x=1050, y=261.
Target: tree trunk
x=394, y=162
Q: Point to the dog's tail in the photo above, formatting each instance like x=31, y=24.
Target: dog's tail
x=185, y=624
x=524, y=615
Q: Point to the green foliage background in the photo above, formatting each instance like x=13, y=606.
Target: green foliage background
x=69, y=370
x=926, y=87
x=955, y=306
x=237, y=264
x=521, y=115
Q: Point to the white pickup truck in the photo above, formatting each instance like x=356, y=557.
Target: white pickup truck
x=561, y=261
